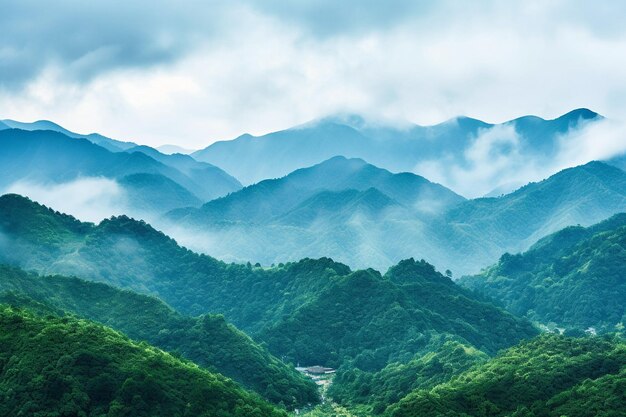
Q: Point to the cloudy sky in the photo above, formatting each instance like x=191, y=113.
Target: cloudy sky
x=193, y=72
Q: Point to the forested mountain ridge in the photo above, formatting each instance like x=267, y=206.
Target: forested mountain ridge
x=548, y=376
x=208, y=341
x=575, y=278
x=65, y=366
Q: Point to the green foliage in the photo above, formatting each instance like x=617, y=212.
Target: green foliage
x=68, y=367
x=375, y=320
x=548, y=376
x=434, y=364
x=207, y=340
x=575, y=278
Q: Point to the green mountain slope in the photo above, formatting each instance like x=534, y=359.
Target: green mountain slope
x=575, y=278
x=208, y=340
x=434, y=364
x=376, y=319
x=309, y=311
x=65, y=366
x=549, y=376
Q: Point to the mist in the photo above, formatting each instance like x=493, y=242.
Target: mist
x=88, y=199
x=497, y=162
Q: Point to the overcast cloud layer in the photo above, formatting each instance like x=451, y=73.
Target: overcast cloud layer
x=162, y=72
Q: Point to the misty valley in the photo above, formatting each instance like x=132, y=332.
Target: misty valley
x=314, y=271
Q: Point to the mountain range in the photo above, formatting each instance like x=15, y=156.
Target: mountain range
x=366, y=216
x=152, y=181
x=398, y=148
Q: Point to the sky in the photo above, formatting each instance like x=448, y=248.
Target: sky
x=189, y=73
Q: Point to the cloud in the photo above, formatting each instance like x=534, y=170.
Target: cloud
x=88, y=199
x=497, y=162
x=158, y=72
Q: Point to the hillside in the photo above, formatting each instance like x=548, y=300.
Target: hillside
x=316, y=311
x=548, y=376
x=66, y=366
x=208, y=341
x=376, y=319
x=575, y=278
x=395, y=147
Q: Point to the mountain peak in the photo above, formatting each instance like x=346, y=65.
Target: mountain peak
x=581, y=113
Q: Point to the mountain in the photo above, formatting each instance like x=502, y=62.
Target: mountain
x=575, y=278
x=310, y=311
x=434, y=364
x=200, y=173
x=208, y=341
x=368, y=217
x=65, y=366
x=112, y=145
x=373, y=318
x=47, y=157
x=347, y=208
x=260, y=203
x=548, y=376
x=395, y=147
x=487, y=227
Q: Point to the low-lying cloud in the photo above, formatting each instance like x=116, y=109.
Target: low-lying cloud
x=497, y=162
x=88, y=199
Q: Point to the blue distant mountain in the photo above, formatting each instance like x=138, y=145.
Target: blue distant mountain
x=107, y=143
x=366, y=216
x=397, y=148
x=152, y=180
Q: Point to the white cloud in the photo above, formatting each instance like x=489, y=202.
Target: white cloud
x=88, y=199
x=268, y=66
x=496, y=161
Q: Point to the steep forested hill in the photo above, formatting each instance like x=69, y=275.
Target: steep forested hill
x=549, y=376
x=64, y=366
x=209, y=340
x=575, y=278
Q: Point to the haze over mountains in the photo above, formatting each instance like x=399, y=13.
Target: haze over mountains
x=347, y=208
x=404, y=338
x=457, y=144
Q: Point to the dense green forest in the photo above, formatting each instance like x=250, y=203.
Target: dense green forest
x=375, y=391
x=302, y=309
x=575, y=278
x=548, y=376
x=376, y=319
x=68, y=367
x=208, y=340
